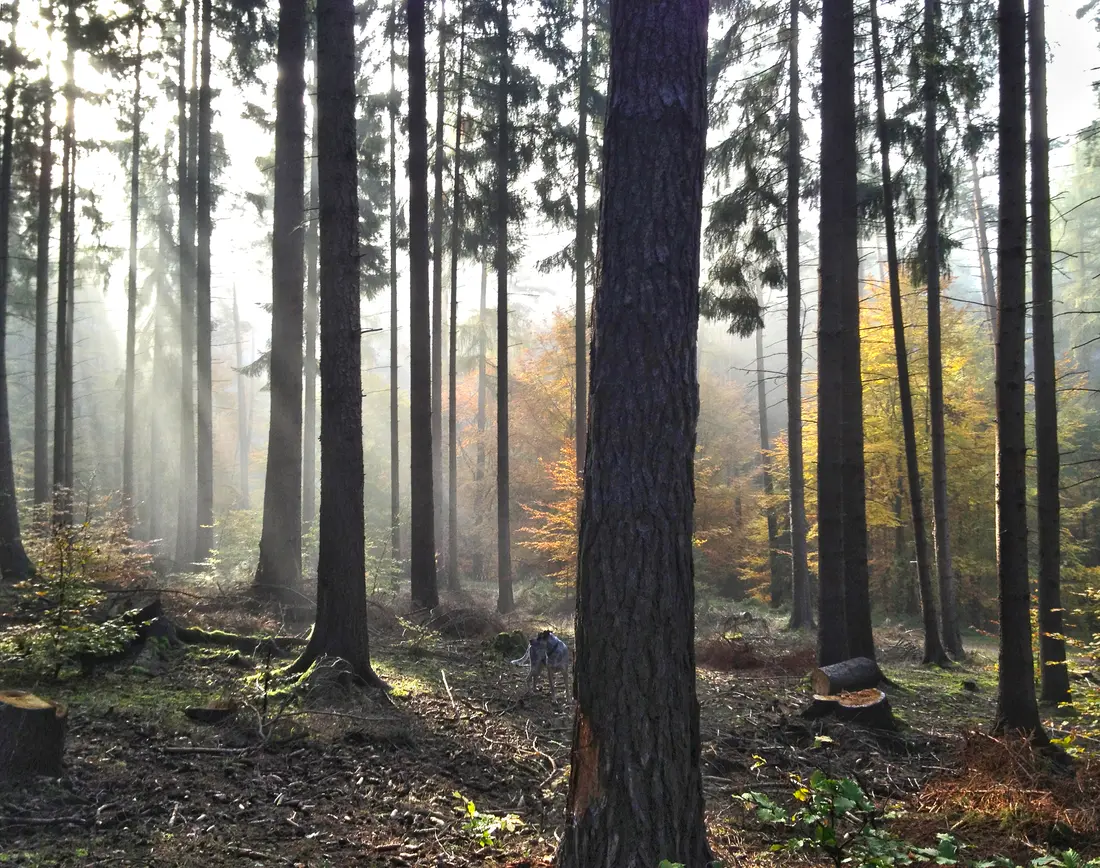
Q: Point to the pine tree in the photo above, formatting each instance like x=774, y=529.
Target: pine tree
x=395, y=448
x=437, y=279
x=132, y=283
x=42, y=305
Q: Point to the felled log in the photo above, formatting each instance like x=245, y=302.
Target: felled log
x=32, y=736
x=859, y=673
x=868, y=708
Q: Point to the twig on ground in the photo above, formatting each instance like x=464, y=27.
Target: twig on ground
x=450, y=695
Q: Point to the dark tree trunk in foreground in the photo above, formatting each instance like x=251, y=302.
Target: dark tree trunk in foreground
x=452, y=396
x=185, y=521
x=952, y=639
x=280, y=567
x=1017, y=710
x=505, y=602
x=42, y=311
x=422, y=541
x=243, y=446
x=437, y=285
x=395, y=448
x=635, y=787
x=801, y=609
x=838, y=256
x=13, y=559
x=933, y=649
x=1054, y=675
x=776, y=590
x=341, y=626
x=580, y=265
x=131, y=292
x=309, y=419
x=204, y=538
x=478, y=560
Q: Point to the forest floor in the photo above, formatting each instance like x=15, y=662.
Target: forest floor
x=462, y=766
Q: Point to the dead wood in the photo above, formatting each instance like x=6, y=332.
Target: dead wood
x=858, y=673
x=32, y=736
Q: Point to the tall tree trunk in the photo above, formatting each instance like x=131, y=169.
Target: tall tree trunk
x=989, y=282
x=395, y=448
x=62, y=505
x=14, y=563
x=838, y=256
x=341, y=627
x=309, y=419
x=204, y=540
x=478, y=565
x=243, y=444
x=437, y=285
x=580, y=331
x=933, y=648
x=160, y=338
x=185, y=519
x=42, y=310
x=131, y=292
x=948, y=609
x=452, y=397
x=279, y=571
x=776, y=590
x=801, y=610
x=422, y=541
x=505, y=602
x=1052, y=646
x=1017, y=710
x=635, y=788
x=69, y=402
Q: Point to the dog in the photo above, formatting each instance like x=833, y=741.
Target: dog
x=545, y=651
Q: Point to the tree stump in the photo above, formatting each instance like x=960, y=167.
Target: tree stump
x=869, y=708
x=32, y=736
x=859, y=673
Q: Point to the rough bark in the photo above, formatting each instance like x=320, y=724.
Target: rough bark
x=801, y=609
x=437, y=283
x=309, y=417
x=204, y=537
x=278, y=573
x=837, y=243
x=580, y=265
x=341, y=626
x=933, y=648
x=858, y=673
x=422, y=540
x=952, y=639
x=1017, y=710
x=1054, y=675
x=452, y=397
x=635, y=787
x=776, y=589
x=131, y=291
x=185, y=516
x=32, y=736
x=505, y=601
x=395, y=449
x=478, y=560
x=14, y=563
x=42, y=310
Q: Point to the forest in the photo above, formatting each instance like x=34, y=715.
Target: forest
x=603, y=433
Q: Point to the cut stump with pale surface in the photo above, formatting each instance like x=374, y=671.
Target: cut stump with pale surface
x=868, y=707
x=859, y=673
x=32, y=736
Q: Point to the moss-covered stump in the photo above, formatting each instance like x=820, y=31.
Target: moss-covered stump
x=32, y=736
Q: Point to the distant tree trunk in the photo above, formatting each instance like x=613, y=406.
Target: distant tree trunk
x=279, y=571
x=1052, y=646
x=42, y=311
x=452, y=397
x=131, y=293
x=635, y=786
x=341, y=627
x=185, y=520
x=437, y=285
x=775, y=591
x=838, y=240
x=950, y=619
x=580, y=331
x=204, y=540
x=14, y=563
x=160, y=337
x=801, y=609
x=505, y=602
x=989, y=282
x=933, y=649
x=395, y=449
x=478, y=565
x=309, y=421
x=62, y=484
x=243, y=446
x=1017, y=710
x=422, y=542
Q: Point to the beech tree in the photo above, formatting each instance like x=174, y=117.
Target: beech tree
x=635, y=787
